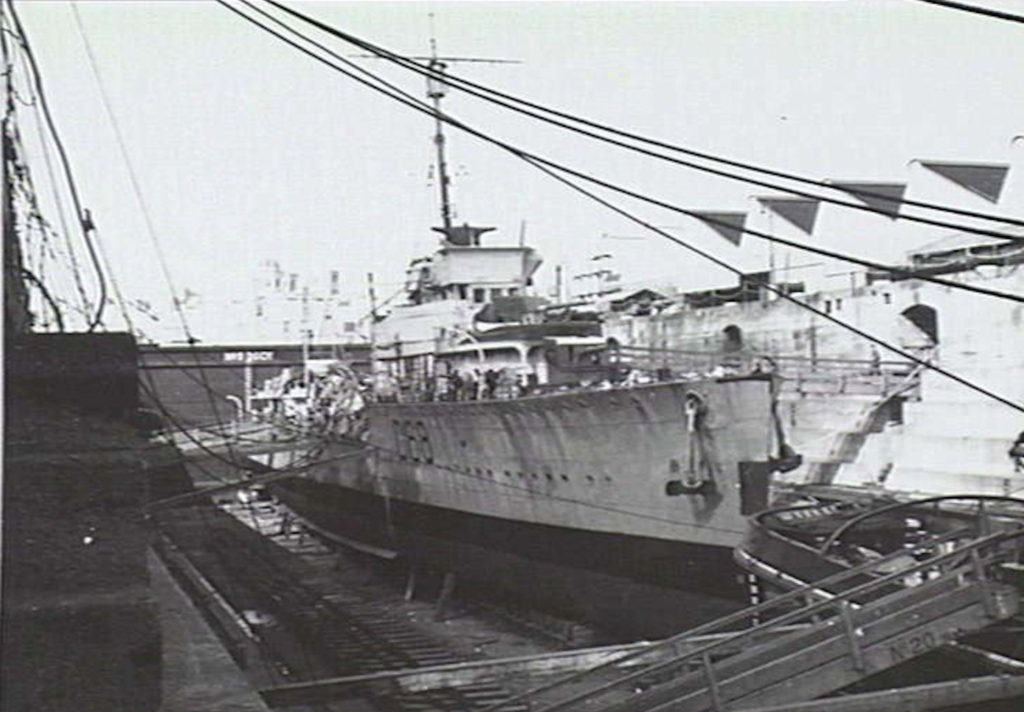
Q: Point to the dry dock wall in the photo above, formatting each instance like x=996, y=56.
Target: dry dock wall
x=79, y=623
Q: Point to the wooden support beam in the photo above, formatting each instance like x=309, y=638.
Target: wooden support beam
x=410, y=584
x=447, y=589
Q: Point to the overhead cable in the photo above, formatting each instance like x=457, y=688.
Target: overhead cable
x=977, y=10
x=140, y=199
x=516, y=104
x=82, y=214
x=405, y=98
x=552, y=169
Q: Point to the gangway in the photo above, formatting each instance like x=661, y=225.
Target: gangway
x=845, y=628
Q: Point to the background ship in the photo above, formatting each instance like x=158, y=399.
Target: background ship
x=861, y=419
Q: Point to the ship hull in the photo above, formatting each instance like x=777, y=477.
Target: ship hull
x=563, y=502
x=627, y=585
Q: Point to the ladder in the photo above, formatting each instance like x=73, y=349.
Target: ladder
x=847, y=627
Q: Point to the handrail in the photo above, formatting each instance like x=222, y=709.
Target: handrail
x=759, y=354
x=754, y=612
x=798, y=614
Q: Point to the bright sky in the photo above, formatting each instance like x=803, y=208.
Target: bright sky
x=245, y=150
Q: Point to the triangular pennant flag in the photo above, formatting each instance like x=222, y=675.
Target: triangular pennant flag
x=728, y=225
x=801, y=212
x=984, y=179
x=884, y=198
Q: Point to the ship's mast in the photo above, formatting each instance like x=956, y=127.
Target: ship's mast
x=435, y=92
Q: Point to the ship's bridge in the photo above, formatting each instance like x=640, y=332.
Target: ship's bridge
x=464, y=269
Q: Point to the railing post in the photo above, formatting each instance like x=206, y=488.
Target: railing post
x=977, y=566
x=810, y=600
x=709, y=675
x=851, y=636
x=984, y=525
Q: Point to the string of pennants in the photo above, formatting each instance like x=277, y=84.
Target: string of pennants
x=983, y=179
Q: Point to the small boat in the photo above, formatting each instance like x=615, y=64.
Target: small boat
x=806, y=541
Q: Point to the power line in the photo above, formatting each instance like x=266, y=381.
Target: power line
x=403, y=97
x=83, y=217
x=65, y=231
x=46, y=296
x=894, y=271
x=785, y=295
x=550, y=168
x=132, y=176
x=977, y=10
x=140, y=199
x=516, y=103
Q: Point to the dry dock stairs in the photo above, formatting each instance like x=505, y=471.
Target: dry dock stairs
x=791, y=652
x=821, y=638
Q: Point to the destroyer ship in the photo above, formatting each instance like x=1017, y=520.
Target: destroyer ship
x=523, y=458
x=604, y=469
x=519, y=454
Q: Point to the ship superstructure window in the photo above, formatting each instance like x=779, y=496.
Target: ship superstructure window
x=478, y=295
x=495, y=293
